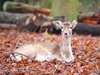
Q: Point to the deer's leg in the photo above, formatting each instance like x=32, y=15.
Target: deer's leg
x=69, y=56
x=43, y=57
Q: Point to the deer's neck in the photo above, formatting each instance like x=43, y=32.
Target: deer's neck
x=65, y=43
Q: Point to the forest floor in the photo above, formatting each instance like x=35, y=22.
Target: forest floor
x=86, y=50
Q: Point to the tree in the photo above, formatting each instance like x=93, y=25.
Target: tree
x=67, y=8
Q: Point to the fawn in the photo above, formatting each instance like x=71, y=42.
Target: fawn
x=42, y=51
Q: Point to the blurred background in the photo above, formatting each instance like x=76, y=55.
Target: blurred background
x=21, y=12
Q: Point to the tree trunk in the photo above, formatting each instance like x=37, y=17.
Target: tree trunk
x=46, y=4
x=67, y=8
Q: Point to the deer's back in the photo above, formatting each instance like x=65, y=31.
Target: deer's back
x=39, y=50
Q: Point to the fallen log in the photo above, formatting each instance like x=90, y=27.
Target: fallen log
x=7, y=26
x=85, y=29
x=17, y=7
x=20, y=19
x=81, y=28
x=12, y=18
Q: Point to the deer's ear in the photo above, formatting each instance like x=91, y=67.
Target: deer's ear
x=74, y=23
x=58, y=23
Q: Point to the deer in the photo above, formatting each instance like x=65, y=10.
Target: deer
x=43, y=51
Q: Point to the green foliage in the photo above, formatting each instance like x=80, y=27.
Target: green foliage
x=67, y=8
x=89, y=6
x=46, y=4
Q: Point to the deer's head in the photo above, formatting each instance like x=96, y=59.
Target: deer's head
x=66, y=26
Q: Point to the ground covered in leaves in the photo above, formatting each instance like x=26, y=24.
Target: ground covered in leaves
x=86, y=50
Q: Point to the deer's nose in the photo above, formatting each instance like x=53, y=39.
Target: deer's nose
x=65, y=33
